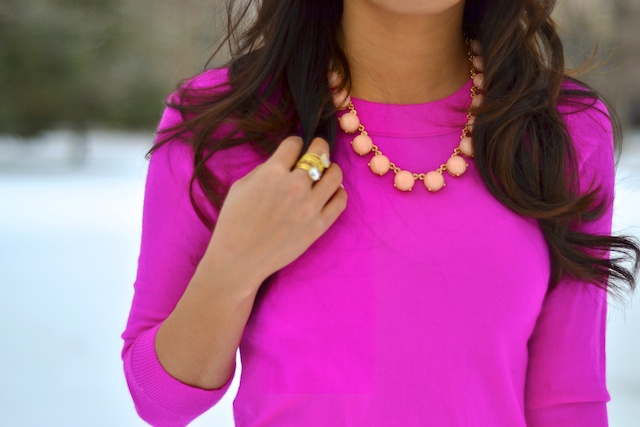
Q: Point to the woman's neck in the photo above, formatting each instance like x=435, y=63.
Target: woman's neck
x=404, y=58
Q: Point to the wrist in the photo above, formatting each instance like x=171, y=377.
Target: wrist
x=231, y=275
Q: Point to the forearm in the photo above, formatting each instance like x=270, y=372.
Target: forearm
x=197, y=343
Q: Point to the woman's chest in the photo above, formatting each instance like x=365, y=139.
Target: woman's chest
x=397, y=265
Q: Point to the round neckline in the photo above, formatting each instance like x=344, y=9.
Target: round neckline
x=464, y=88
x=432, y=118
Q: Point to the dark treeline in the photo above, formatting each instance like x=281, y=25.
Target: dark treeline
x=612, y=26
x=80, y=64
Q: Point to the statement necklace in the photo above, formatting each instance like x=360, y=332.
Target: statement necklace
x=380, y=164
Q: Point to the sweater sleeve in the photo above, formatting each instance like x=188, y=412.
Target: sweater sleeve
x=173, y=242
x=566, y=384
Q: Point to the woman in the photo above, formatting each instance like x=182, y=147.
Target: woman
x=481, y=302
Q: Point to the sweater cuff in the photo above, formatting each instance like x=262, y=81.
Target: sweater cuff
x=155, y=386
x=587, y=414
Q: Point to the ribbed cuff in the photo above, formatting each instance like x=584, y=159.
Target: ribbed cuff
x=159, y=389
x=587, y=414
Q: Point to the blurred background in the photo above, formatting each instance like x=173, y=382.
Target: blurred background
x=81, y=90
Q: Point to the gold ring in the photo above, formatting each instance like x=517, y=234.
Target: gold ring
x=314, y=165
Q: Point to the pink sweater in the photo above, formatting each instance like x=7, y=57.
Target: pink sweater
x=414, y=309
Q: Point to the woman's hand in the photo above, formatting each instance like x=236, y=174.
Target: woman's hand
x=269, y=218
x=273, y=214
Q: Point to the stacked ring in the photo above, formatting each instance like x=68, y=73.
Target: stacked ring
x=314, y=165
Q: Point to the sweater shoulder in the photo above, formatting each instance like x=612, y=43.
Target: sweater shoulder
x=580, y=107
x=200, y=87
x=209, y=79
x=589, y=122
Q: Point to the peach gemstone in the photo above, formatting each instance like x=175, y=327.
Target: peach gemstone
x=456, y=165
x=404, y=181
x=478, y=80
x=362, y=144
x=434, y=181
x=341, y=99
x=476, y=47
x=349, y=123
x=334, y=79
x=380, y=164
x=466, y=146
x=478, y=63
x=477, y=101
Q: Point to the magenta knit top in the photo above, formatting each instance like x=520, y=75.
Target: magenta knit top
x=414, y=309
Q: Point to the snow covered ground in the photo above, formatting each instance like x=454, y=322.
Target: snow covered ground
x=69, y=236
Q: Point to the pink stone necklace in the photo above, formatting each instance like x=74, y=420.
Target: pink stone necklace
x=380, y=164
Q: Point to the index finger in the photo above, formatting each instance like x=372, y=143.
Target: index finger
x=288, y=151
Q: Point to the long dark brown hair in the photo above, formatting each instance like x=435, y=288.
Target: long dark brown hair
x=278, y=86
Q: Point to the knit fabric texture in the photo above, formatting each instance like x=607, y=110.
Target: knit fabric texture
x=413, y=309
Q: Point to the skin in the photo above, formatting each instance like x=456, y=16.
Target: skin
x=389, y=56
x=272, y=215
